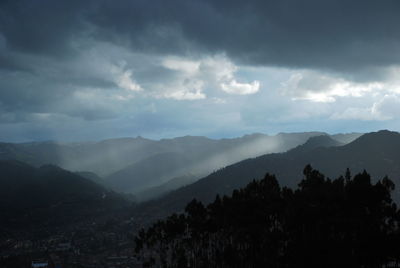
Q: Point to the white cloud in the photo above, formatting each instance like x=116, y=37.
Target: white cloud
x=178, y=64
x=319, y=87
x=125, y=81
x=222, y=71
x=372, y=100
x=185, y=95
x=386, y=108
x=182, y=88
x=357, y=113
x=234, y=87
x=161, y=77
x=193, y=77
x=123, y=78
x=218, y=68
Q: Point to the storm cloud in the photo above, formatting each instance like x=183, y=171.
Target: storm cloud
x=330, y=33
x=103, y=60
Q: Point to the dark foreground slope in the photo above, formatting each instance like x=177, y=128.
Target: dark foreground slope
x=49, y=196
x=346, y=222
x=378, y=152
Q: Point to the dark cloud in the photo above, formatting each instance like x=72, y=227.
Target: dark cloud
x=41, y=27
x=329, y=34
x=52, y=49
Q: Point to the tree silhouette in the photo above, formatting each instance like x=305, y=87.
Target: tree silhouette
x=346, y=222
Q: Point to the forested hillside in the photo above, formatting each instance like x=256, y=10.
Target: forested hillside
x=377, y=151
x=346, y=222
x=49, y=197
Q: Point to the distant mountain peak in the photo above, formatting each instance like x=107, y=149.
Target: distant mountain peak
x=314, y=133
x=322, y=140
x=376, y=152
x=255, y=135
x=381, y=136
x=316, y=142
x=382, y=133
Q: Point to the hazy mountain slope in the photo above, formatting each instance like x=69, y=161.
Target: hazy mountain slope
x=108, y=156
x=378, y=153
x=49, y=194
x=101, y=158
x=198, y=156
x=316, y=142
x=36, y=154
x=135, y=164
x=148, y=172
x=91, y=176
x=346, y=138
x=172, y=184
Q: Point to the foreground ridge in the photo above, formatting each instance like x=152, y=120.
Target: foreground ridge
x=346, y=222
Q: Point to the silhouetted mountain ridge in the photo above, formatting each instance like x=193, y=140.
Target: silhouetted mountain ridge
x=378, y=153
x=50, y=194
x=132, y=165
x=316, y=142
x=200, y=156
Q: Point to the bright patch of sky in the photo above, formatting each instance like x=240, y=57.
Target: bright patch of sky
x=210, y=96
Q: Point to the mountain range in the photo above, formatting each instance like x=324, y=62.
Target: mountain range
x=29, y=193
x=376, y=152
x=150, y=168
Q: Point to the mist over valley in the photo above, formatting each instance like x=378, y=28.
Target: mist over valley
x=202, y=133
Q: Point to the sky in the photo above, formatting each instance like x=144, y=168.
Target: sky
x=73, y=70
